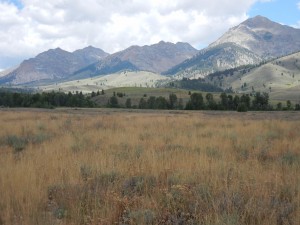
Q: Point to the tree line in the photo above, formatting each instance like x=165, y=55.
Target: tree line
x=45, y=100
x=161, y=103
x=258, y=102
x=197, y=101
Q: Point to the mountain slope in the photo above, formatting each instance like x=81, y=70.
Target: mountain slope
x=263, y=37
x=154, y=58
x=52, y=64
x=6, y=72
x=121, y=79
x=280, y=78
x=215, y=58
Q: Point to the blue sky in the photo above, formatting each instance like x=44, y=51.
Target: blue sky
x=18, y=3
x=29, y=27
x=281, y=11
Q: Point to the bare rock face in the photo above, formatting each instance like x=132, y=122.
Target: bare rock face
x=159, y=57
x=90, y=54
x=263, y=37
x=215, y=58
x=52, y=64
x=154, y=58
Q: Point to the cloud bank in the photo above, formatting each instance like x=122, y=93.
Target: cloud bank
x=29, y=27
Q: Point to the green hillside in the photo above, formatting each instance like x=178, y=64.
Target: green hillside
x=194, y=84
x=280, y=78
x=136, y=93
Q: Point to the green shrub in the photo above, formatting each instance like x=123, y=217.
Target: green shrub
x=142, y=217
x=264, y=155
x=213, y=153
x=290, y=158
x=59, y=213
x=39, y=138
x=138, y=185
x=17, y=143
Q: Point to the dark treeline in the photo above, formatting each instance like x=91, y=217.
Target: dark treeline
x=229, y=102
x=45, y=100
x=197, y=101
x=161, y=103
x=242, y=103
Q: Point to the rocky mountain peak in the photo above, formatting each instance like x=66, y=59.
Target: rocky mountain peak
x=258, y=21
x=264, y=37
x=163, y=43
x=90, y=54
x=90, y=49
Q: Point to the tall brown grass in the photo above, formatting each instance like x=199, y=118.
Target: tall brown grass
x=147, y=168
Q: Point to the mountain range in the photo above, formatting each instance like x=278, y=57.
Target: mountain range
x=53, y=64
x=253, y=42
x=154, y=58
x=57, y=64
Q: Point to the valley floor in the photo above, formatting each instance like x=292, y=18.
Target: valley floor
x=119, y=166
x=211, y=114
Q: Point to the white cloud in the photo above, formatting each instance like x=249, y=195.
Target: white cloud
x=112, y=24
x=298, y=5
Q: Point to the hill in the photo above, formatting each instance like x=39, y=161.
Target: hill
x=195, y=84
x=136, y=93
x=279, y=77
x=121, y=79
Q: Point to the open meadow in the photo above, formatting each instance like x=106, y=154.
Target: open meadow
x=105, y=166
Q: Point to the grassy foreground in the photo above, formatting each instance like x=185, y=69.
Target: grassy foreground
x=148, y=168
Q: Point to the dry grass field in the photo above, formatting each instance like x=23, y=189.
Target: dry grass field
x=133, y=167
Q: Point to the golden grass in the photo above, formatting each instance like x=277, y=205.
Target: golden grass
x=147, y=168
